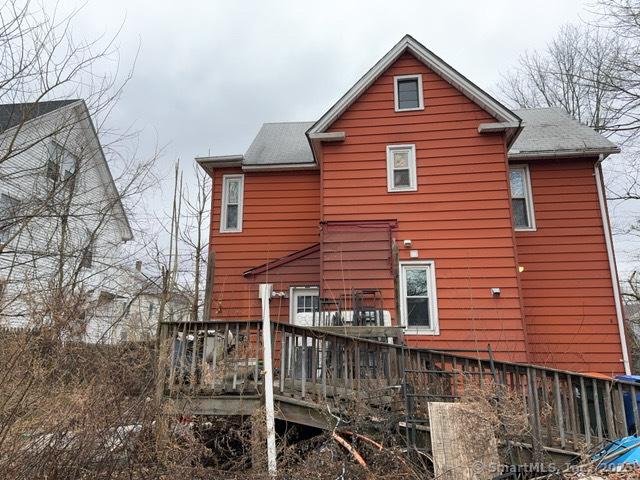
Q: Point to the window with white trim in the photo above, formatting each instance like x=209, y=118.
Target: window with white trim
x=521, y=198
x=232, y=196
x=418, y=302
x=61, y=163
x=408, y=94
x=401, y=168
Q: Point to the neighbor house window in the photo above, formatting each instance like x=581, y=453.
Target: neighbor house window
x=9, y=214
x=418, y=303
x=521, y=198
x=232, y=193
x=61, y=163
x=408, y=93
x=401, y=168
x=86, y=260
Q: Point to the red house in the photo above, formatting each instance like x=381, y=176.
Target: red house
x=418, y=200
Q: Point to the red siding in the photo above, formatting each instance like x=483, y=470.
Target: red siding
x=460, y=216
x=567, y=288
x=281, y=213
x=356, y=256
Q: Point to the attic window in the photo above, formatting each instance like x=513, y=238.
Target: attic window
x=408, y=93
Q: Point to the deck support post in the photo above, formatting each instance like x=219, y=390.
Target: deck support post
x=265, y=296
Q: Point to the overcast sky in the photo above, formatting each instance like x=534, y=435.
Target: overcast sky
x=210, y=72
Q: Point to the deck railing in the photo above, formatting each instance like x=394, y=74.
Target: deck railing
x=565, y=410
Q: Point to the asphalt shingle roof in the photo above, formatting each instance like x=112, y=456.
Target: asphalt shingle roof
x=12, y=114
x=552, y=130
x=280, y=143
x=546, y=131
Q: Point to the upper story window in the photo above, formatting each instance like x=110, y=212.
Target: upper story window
x=9, y=215
x=232, y=196
x=401, y=168
x=61, y=163
x=418, y=302
x=408, y=93
x=521, y=198
x=86, y=259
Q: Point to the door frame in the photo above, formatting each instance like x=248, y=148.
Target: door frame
x=293, y=305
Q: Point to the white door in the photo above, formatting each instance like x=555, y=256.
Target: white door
x=304, y=306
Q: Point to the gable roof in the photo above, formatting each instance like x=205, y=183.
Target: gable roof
x=435, y=63
x=553, y=132
x=13, y=114
x=280, y=143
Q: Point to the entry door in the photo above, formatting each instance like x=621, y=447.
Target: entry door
x=304, y=302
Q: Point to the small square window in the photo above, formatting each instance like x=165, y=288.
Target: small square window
x=408, y=93
x=521, y=198
x=401, y=168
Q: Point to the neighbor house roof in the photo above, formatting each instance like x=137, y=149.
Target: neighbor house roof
x=552, y=132
x=13, y=114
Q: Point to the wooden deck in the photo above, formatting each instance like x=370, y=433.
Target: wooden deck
x=215, y=368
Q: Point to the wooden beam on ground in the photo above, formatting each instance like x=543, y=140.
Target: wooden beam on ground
x=460, y=450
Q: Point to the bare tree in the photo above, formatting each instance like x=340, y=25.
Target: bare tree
x=64, y=215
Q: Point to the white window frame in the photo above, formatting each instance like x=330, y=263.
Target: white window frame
x=434, y=328
x=223, y=207
x=528, y=197
x=413, y=177
x=397, y=78
x=305, y=290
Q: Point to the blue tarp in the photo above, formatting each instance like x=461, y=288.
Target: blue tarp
x=630, y=457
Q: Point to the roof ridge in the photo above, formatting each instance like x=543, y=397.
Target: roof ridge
x=288, y=122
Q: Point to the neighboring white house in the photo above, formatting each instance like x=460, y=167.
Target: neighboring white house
x=63, y=226
x=129, y=308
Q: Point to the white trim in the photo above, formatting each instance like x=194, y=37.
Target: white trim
x=439, y=66
x=612, y=265
x=434, y=328
x=223, y=203
x=417, y=76
x=413, y=176
x=531, y=214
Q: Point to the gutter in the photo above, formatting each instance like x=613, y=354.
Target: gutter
x=612, y=261
x=517, y=155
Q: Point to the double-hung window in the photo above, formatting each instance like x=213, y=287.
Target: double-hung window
x=521, y=198
x=418, y=302
x=408, y=93
x=61, y=163
x=401, y=168
x=232, y=196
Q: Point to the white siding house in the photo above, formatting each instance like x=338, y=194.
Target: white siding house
x=62, y=223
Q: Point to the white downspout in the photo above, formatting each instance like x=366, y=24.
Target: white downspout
x=612, y=264
x=265, y=296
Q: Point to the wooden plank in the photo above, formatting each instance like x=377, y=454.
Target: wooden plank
x=458, y=453
x=621, y=412
x=608, y=412
x=634, y=407
x=586, y=421
x=573, y=414
x=596, y=405
x=559, y=413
